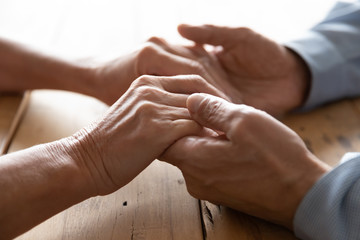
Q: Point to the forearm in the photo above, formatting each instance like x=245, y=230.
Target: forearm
x=37, y=183
x=300, y=77
x=22, y=69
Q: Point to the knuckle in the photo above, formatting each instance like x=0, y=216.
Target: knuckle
x=244, y=33
x=156, y=40
x=246, y=120
x=198, y=80
x=209, y=26
x=147, y=56
x=145, y=108
x=148, y=50
x=144, y=80
x=245, y=30
x=197, y=67
x=143, y=55
x=210, y=109
x=249, y=114
x=145, y=93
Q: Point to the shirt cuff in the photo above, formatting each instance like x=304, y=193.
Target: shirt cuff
x=325, y=64
x=331, y=209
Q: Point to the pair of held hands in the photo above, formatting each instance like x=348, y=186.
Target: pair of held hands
x=229, y=153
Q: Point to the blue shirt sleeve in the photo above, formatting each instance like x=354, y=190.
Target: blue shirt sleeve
x=331, y=50
x=331, y=209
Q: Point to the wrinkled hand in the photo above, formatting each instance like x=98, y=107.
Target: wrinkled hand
x=111, y=79
x=248, y=67
x=256, y=165
x=137, y=129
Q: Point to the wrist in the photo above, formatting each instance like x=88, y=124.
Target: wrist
x=111, y=79
x=38, y=183
x=68, y=154
x=84, y=149
x=308, y=174
x=83, y=78
x=300, y=77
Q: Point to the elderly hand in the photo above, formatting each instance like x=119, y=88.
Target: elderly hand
x=248, y=67
x=256, y=164
x=111, y=79
x=145, y=121
x=45, y=179
x=105, y=81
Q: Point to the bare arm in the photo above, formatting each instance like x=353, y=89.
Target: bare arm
x=41, y=181
x=22, y=69
x=37, y=183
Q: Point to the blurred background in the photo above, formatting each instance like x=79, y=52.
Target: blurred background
x=82, y=28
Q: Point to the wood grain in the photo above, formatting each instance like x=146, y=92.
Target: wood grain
x=155, y=205
x=329, y=132
x=12, y=107
x=224, y=223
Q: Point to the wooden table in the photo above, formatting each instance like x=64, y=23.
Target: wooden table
x=156, y=204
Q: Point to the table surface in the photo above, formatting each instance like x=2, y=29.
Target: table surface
x=156, y=205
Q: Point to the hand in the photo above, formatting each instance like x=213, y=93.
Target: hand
x=249, y=68
x=137, y=129
x=48, y=178
x=256, y=164
x=111, y=79
x=106, y=81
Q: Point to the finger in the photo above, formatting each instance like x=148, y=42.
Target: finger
x=181, y=128
x=209, y=34
x=174, y=113
x=188, y=84
x=196, y=52
x=154, y=60
x=213, y=112
x=158, y=95
x=187, y=60
x=165, y=113
x=187, y=52
x=193, y=150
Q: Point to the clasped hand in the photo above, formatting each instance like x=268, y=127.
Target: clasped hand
x=137, y=129
x=246, y=66
x=237, y=155
x=253, y=163
x=230, y=154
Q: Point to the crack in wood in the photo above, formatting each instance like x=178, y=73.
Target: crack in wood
x=132, y=230
x=202, y=221
x=209, y=214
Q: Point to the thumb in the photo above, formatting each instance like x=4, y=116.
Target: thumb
x=208, y=34
x=212, y=112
